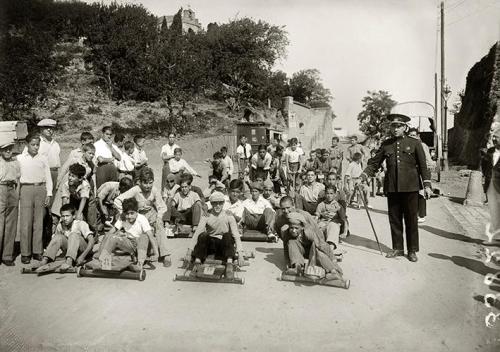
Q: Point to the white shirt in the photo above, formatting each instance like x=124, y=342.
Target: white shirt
x=176, y=166
x=51, y=151
x=126, y=163
x=102, y=149
x=244, y=152
x=35, y=170
x=139, y=156
x=263, y=163
x=293, y=155
x=235, y=209
x=168, y=150
x=78, y=226
x=139, y=227
x=227, y=163
x=257, y=207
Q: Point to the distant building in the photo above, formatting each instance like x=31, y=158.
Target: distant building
x=189, y=21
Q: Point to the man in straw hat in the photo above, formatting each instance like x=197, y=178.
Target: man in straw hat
x=406, y=163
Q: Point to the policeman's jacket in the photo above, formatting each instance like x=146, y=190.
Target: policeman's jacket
x=405, y=162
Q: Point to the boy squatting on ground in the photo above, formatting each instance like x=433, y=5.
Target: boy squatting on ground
x=152, y=206
x=9, y=198
x=217, y=233
x=72, y=236
x=133, y=235
x=106, y=195
x=258, y=213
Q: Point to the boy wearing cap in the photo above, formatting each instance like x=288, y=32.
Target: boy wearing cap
x=258, y=213
x=9, y=178
x=268, y=194
x=406, y=164
x=303, y=241
x=216, y=233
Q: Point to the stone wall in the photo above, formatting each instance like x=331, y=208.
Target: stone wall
x=479, y=105
x=312, y=126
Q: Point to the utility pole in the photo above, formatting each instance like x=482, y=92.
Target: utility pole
x=444, y=97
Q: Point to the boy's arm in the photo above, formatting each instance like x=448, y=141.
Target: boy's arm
x=131, y=193
x=90, y=244
x=79, y=212
x=152, y=242
x=189, y=169
x=233, y=227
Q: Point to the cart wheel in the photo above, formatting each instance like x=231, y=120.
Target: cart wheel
x=242, y=281
x=142, y=275
x=78, y=271
x=347, y=284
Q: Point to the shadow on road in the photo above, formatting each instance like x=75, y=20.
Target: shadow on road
x=274, y=256
x=450, y=235
x=493, y=302
x=365, y=242
x=476, y=266
x=378, y=211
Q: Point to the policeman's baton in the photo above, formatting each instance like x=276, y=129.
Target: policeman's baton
x=369, y=218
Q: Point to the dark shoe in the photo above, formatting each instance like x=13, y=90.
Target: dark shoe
x=25, y=259
x=395, y=253
x=412, y=257
x=37, y=257
x=8, y=262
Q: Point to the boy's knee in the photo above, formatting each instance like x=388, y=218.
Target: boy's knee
x=73, y=236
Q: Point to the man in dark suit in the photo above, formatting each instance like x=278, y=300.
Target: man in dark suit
x=405, y=160
x=490, y=165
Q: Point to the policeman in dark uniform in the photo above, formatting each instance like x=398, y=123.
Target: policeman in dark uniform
x=405, y=161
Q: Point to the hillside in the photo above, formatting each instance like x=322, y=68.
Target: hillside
x=77, y=102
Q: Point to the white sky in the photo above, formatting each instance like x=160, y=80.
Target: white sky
x=361, y=45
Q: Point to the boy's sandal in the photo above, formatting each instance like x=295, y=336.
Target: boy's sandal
x=148, y=265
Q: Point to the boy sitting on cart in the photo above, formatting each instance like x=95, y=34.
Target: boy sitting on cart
x=217, y=233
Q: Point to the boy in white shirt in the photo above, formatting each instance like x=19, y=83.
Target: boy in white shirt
x=126, y=165
x=258, y=213
x=139, y=155
x=179, y=166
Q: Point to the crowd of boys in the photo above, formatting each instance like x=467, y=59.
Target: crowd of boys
x=102, y=199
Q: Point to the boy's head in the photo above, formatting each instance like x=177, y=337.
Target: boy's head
x=310, y=176
x=256, y=190
x=356, y=157
x=296, y=222
x=335, y=141
x=243, y=139
x=125, y=184
x=268, y=188
x=331, y=179
x=177, y=154
x=107, y=134
x=130, y=208
x=325, y=153
x=217, y=157
x=330, y=192
x=146, y=179
x=33, y=143
x=279, y=151
x=217, y=201
x=286, y=205
x=259, y=178
x=88, y=151
x=76, y=174
x=212, y=180
x=171, y=138
x=294, y=142
x=235, y=189
x=67, y=212
x=413, y=132
x=119, y=139
x=262, y=150
x=139, y=140
x=312, y=154
x=353, y=140
x=187, y=178
x=6, y=151
x=223, y=151
x=185, y=188
x=129, y=147
x=86, y=138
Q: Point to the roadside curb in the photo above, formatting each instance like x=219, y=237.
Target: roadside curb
x=472, y=219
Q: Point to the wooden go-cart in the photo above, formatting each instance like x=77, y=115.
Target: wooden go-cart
x=116, y=267
x=49, y=268
x=256, y=236
x=212, y=270
x=315, y=276
x=180, y=231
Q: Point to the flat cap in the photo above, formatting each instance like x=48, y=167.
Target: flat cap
x=268, y=184
x=47, y=123
x=295, y=218
x=257, y=185
x=217, y=197
x=170, y=177
x=6, y=144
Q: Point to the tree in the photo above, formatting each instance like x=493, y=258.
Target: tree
x=306, y=87
x=372, y=119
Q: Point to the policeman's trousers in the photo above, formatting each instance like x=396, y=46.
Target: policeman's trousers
x=403, y=206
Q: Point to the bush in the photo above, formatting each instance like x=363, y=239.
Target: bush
x=94, y=109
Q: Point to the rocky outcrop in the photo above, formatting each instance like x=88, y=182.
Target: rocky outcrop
x=479, y=106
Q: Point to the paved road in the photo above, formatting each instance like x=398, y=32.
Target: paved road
x=392, y=305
